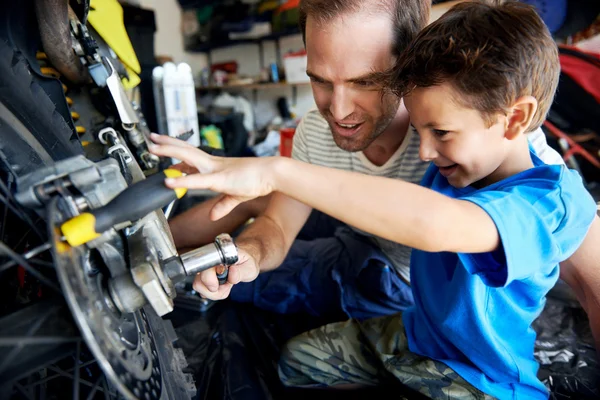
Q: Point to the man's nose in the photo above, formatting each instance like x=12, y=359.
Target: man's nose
x=341, y=103
x=427, y=150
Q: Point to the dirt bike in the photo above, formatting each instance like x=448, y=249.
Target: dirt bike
x=71, y=140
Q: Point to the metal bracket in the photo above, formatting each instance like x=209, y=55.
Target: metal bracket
x=126, y=113
x=120, y=148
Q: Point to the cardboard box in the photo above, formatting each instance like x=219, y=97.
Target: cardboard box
x=294, y=65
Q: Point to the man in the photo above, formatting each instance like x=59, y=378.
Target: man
x=346, y=273
x=358, y=128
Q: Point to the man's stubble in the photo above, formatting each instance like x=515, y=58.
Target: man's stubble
x=354, y=144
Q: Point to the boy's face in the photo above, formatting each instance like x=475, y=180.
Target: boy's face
x=343, y=54
x=456, y=138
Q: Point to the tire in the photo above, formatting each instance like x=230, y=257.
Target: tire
x=23, y=96
x=178, y=385
x=33, y=134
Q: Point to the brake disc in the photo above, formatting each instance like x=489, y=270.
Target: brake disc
x=123, y=344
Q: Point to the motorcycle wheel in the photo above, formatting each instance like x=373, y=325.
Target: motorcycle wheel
x=43, y=354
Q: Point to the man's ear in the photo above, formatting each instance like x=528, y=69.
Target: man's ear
x=520, y=115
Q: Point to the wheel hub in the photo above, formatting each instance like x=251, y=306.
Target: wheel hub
x=123, y=344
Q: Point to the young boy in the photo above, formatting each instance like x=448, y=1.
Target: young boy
x=489, y=227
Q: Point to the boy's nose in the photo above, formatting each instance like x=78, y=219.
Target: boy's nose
x=427, y=151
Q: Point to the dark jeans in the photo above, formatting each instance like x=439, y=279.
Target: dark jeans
x=330, y=271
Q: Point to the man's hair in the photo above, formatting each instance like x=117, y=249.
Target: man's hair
x=491, y=53
x=408, y=16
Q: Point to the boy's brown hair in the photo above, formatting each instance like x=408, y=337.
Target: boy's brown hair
x=492, y=53
x=408, y=16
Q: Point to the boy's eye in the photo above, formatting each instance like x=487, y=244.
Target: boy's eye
x=414, y=128
x=439, y=132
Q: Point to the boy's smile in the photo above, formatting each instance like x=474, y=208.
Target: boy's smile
x=456, y=138
x=447, y=170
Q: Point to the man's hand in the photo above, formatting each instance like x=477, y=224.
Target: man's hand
x=241, y=179
x=245, y=270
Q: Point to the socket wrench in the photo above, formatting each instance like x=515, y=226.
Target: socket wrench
x=222, y=251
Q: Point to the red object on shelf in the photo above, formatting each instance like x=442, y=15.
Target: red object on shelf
x=285, y=145
x=288, y=5
x=231, y=67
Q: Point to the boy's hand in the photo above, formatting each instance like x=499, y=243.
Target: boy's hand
x=183, y=167
x=241, y=179
x=245, y=270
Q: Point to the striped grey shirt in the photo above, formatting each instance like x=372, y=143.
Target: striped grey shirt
x=313, y=143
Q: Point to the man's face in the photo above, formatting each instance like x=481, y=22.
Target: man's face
x=456, y=138
x=342, y=56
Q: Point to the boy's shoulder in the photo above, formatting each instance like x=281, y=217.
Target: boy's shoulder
x=542, y=215
x=547, y=198
x=547, y=204
x=550, y=188
x=542, y=181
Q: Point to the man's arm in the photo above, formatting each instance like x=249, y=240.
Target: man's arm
x=262, y=246
x=582, y=273
x=271, y=235
x=194, y=228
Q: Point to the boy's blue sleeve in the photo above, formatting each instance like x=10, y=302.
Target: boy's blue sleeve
x=539, y=224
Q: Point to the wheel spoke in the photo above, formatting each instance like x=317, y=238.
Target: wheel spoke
x=95, y=388
x=4, y=218
x=70, y=376
x=23, y=390
x=25, y=264
x=76, y=367
x=7, y=198
x=16, y=350
x=28, y=256
x=19, y=340
x=49, y=378
x=105, y=386
x=46, y=264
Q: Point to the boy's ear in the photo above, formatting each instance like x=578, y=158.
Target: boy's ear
x=519, y=116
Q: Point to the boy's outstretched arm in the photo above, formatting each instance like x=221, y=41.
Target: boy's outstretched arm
x=393, y=209
x=399, y=211
x=582, y=273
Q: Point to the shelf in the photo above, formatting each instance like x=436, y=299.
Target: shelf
x=436, y=11
x=270, y=85
x=440, y=8
x=206, y=47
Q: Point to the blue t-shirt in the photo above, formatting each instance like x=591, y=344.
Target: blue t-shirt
x=474, y=312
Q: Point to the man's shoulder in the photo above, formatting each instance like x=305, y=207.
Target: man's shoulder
x=314, y=115
x=316, y=134
x=542, y=149
x=313, y=142
x=313, y=124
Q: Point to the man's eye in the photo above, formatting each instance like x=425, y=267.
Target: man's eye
x=363, y=83
x=440, y=132
x=317, y=80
